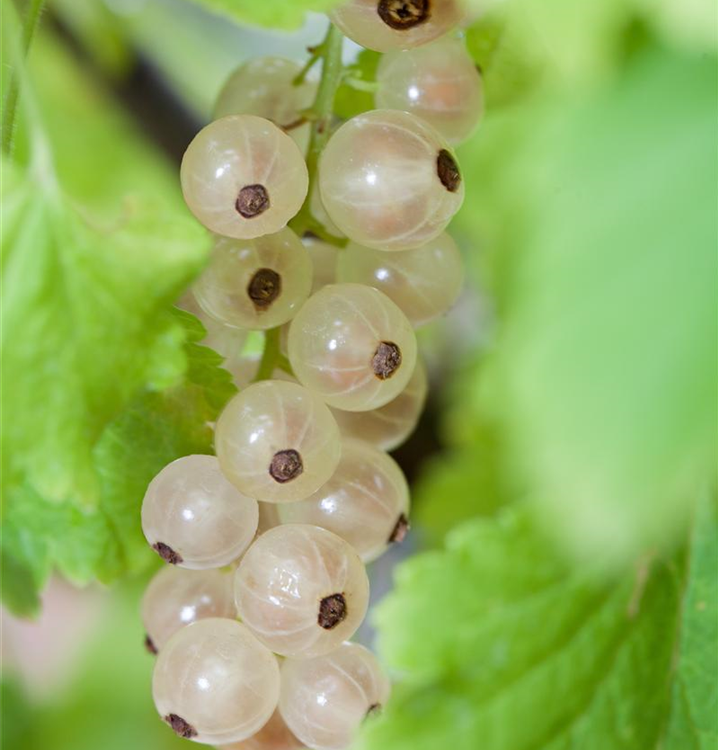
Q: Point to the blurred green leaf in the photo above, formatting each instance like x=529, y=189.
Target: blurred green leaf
x=498, y=643
x=105, y=700
x=607, y=363
x=276, y=14
x=84, y=326
x=153, y=430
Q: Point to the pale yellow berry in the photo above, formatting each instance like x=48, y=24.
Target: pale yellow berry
x=243, y=177
x=353, y=346
x=214, y=682
x=277, y=442
x=301, y=590
x=424, y=282
x=390, y=425
x=389, y=181
x=193, y=517
x=176, y=597
x=258, y=283
x=263, y=86
x=324, y=700
x=274, y=735
x=438, y=82
x=366, y=501
x=384, y=25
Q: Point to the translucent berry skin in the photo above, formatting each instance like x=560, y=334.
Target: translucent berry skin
x=334, y=342
x=243, y=177
x=176, y=597
x=301, y=590
x=277, y=442
x=425, y=282
x=274, y=735
x=324, y=262
x=375, y=25
x=364, y=502
x=263, y=87
x=438, y=82
x=218, y=679
x=193, y=517
x=389, y=181
x=324, y=700
x=390, y=425
x=256, y=284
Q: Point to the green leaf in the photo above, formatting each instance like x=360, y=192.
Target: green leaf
x=607, y=362
x=84, y=327
x=498, y=643
x=107, y=541
x=276, y=14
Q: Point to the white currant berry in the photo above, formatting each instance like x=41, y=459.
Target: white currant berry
x=258, y=283
x=424, y=282
x=324, y=700
x=176, y=597
x=390, y=425
x=274, y=735
x=268, y=516
x=263, y=86
x=243, y=177
x=438, y=82
x=366, y=501
x=384, y=25
x=277, y=442
x=324, y=262
x=214, y=682
x=301, y=590
x=193, y=517
x=389, y=181
x=353, y=346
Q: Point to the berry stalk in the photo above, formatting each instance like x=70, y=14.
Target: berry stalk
x=320, y=115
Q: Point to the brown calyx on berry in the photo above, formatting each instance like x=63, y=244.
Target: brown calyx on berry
x=285, y=466
x=386, y=360
x=264, y=287
x=403, y=14
x=332, y=610
x=373, y=710
x=448, y=171
x=401, y=529
x=150, y=645
x=167, y=553
x=180, y=727
x=252, y=201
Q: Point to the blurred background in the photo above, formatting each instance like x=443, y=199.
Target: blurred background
x=563, y=474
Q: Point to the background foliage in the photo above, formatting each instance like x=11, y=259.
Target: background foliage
x=570, y=597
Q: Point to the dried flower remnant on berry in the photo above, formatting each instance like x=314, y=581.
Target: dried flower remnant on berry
x=180, y=726
x=264, y=288
x=386, y=360
x=286, y=465
x=332, y=610
x=400, y=530
x=373, y=710
x=167, y=553
x=252, y=201
x=448, y=171
x=403, y=14
x=150, y=645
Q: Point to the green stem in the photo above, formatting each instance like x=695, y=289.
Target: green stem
x=272, y=357
x=359, y=85
x=320, y=114
x=30, y=24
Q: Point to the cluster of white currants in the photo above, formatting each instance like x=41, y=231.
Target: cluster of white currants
x=268, y=540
